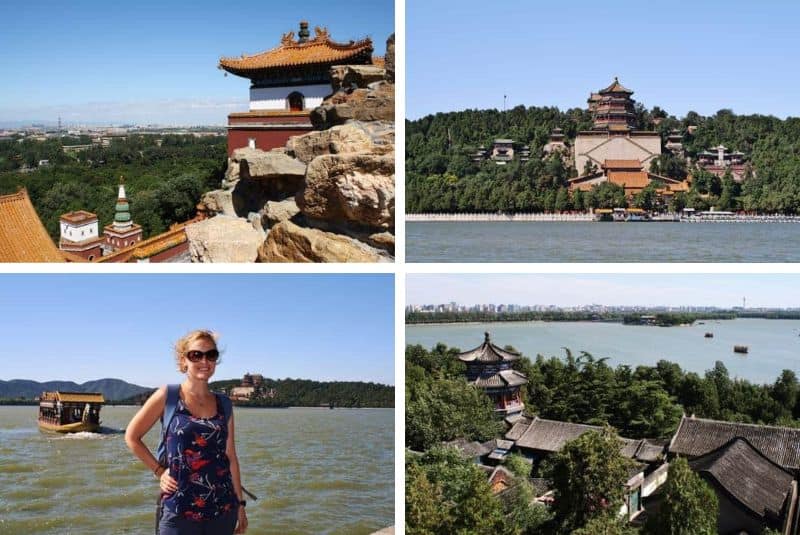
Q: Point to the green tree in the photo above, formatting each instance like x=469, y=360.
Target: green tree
x=588, y=475
x=689, y=506
x=460, y=490
x=606, y=525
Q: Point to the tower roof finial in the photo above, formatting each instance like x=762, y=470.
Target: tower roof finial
x=303, y=34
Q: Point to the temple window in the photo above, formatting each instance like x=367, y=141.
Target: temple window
x=295, y=101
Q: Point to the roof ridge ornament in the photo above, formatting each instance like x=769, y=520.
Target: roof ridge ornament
x=287, y=39
x=321, y=33
x=486, y=337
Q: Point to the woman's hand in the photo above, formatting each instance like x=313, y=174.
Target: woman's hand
x=167, y=483
x=241, y=522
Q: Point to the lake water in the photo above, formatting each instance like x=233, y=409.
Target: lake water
x=313, y=470
x=774, y=344
x=601, y=242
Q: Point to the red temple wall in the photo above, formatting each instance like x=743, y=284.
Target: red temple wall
x=265, y=139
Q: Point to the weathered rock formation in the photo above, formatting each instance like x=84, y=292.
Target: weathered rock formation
x=287, y=242
x=223, y=239
x=328, y=196
x=355, y=189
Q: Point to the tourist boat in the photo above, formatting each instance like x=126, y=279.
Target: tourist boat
x=709, y=335
x=636, y=214
x=604, y=214
x=70, y=412
x=740, y=349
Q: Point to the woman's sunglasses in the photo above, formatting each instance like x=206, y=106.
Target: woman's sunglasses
x=211, y=355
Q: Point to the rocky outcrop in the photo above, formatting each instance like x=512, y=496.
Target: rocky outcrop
x=355, y=136
x=275, y=212
x=223, y=239
x=374, y=103
x=344, y=77
x=219, y=201
x=351, y=189
x=287, y=242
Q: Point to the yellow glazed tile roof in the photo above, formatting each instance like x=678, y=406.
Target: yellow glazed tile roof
x=23, y=237
x=291, y=53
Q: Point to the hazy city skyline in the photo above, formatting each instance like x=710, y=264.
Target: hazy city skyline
x=650, y=290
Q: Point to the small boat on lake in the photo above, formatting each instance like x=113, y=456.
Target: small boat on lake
x=709, y=335
x=740, y=349
x=70, y=412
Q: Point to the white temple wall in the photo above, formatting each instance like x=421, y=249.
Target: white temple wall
x=601, y=148
x=78, y=233
x=274, y=98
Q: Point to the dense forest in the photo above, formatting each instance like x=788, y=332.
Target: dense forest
x=446, y=493
x=441, y=177
x=662, y=319
x=163, y=181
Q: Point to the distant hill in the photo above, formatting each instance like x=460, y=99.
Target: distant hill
x=112, y=389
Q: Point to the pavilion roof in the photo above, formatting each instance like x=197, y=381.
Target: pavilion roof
x=698, y=436
x=747, y=475
x=501, y=379
x=23, y=237
x=616, y=87
x=75, y=397
x=488, y=352
x=321, y=50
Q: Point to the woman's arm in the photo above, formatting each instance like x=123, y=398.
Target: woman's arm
x=230, y=450
x=138, y=427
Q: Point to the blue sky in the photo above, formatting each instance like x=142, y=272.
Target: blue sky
x=81, y=327
x=679, y=55
x=152, y=61
x=723, y=290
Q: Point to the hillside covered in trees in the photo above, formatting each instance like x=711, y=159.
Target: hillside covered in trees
x=441, y=177
x=307, y=393
x=163, y=180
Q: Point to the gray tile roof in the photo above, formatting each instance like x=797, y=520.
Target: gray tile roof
x=698, y=436
x=488, y=352
x=746, y=475
x=501, y=379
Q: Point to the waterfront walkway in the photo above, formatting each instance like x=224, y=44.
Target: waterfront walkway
x=499, y=217
x=733, y=218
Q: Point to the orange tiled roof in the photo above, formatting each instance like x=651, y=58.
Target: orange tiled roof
x=319, y=50
x=622, y=164
x=631, y=180
x=23, y=237
x=149, y=247
x=616, y=87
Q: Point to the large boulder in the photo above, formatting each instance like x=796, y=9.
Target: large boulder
x=374, y=103
x=351, y=189
x=275, y=212
x=348, y=77
x=218, y=201
x=355, y=136
x=268, y=165
x=287, y=242
x=223, y=239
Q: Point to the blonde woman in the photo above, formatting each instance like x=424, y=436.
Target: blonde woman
x=197, y=468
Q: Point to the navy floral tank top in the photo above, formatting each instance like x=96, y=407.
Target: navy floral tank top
x=197, y=460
